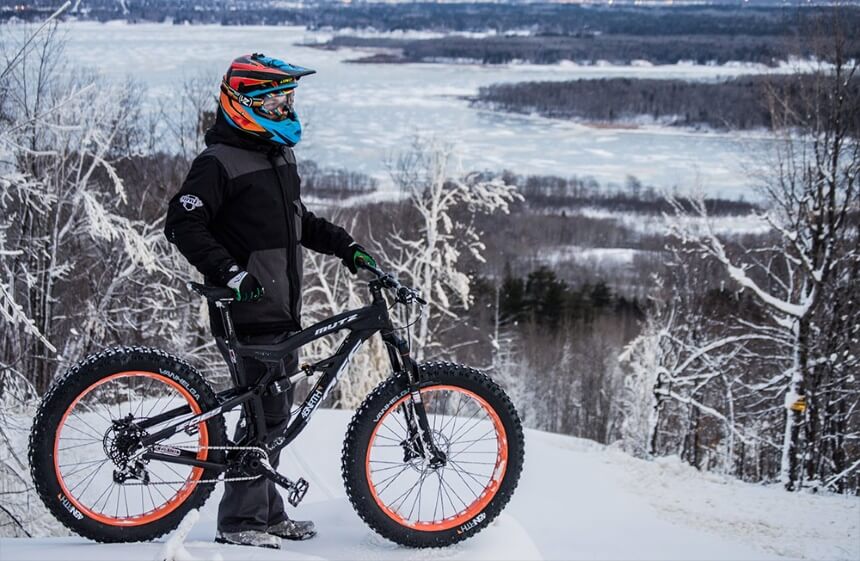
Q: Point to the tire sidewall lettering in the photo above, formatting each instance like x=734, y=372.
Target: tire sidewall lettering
x=67, y=504
x=180, y=380
x=388, y=405
x=473, y=523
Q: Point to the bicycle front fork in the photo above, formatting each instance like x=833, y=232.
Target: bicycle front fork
x=414, y=412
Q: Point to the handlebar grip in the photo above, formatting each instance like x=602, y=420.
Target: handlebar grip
x=362, y=262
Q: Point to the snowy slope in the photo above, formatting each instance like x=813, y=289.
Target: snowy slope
x=576, y=500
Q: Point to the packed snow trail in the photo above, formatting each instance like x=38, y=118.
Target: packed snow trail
x=576, y=500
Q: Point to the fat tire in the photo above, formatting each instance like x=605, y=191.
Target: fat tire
x=57, y=400
x=361, y=428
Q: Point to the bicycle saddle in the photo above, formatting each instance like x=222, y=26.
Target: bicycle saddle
x=212, y=293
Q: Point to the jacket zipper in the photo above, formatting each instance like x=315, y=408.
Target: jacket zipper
x=292, y=242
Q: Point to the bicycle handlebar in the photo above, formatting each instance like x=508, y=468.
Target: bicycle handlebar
x=404, y=293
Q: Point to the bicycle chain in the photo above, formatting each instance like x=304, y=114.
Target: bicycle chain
x=217, y=479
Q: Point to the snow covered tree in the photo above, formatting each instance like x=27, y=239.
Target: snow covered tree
x=78, y=250
x=804, y=277
x=423, y=247
x=691, y=373
x=427, y=248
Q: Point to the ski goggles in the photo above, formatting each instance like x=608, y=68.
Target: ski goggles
x=275, y=106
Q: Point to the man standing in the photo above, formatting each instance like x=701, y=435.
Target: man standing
x=239, y=219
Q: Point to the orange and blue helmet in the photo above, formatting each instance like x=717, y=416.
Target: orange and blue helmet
x=257, y=98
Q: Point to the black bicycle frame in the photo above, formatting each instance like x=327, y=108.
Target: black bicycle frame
x=362, y=324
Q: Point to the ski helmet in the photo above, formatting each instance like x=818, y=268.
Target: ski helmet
x=257, y=97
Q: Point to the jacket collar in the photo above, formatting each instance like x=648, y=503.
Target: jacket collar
x=223, y=132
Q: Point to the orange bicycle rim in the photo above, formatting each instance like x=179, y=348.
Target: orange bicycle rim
x=174, y=502
x=485, y=497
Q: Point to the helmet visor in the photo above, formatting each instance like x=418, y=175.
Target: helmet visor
x=277, y=106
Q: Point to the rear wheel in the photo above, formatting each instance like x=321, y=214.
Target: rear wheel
x=392, y=485
x=83, y=444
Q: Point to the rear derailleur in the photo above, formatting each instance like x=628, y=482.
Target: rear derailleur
x=121, y=443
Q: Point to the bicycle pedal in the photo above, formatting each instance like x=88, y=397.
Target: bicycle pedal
x=298, y=492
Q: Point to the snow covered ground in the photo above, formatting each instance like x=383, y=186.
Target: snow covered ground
x=576, y=500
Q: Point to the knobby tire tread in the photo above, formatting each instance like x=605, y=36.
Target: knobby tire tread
x=361, y=426
x=59, y=396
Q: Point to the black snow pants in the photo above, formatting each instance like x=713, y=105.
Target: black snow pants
x=257, y=504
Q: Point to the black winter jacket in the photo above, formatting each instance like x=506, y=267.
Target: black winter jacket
x=240, y=205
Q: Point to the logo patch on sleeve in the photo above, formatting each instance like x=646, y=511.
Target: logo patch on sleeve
x=190, y=202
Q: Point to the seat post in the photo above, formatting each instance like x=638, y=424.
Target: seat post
x=236, y=370
x=226, y=319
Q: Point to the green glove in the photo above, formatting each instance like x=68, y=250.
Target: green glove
x=246, y=287
x=358, y=255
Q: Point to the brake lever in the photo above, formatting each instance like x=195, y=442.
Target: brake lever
x=406, y=295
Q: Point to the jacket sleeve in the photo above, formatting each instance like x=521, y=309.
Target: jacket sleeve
x=321, y=235
x=190, y=213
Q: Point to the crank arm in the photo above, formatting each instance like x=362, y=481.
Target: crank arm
x=296, y=491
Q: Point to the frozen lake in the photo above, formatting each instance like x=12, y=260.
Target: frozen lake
x=359, y=115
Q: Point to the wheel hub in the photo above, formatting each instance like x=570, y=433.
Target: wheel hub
x=418, y=460
x=120, y=442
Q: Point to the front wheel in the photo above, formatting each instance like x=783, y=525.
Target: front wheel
x=392, y=485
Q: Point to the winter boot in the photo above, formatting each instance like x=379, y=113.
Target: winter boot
x=293, y=529
x=254, y=538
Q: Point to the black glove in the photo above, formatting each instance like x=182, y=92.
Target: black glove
x=246, y=287
x=355, y=254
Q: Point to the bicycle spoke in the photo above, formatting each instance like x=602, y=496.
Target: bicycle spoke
x=439, y=500
x=168, y=466
x=446, y=494
x=469, y=473
x=91, y=479
x=403, y=407
x=79, y=470
x=404, y=496
x=467, y=484
x=92, y=410
x=110, y=490
x=396, y=436
x=151, y=498
x=385, y=468
x=82, y=432
x=390, y=479
x=454, y=433
x=90, y=443
x=118, y=496
x=81, y=463
x=388, y=438
x=458, y=452
x=418, y=496
x=465, y=504
x=125, y=498
x=455, y=416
